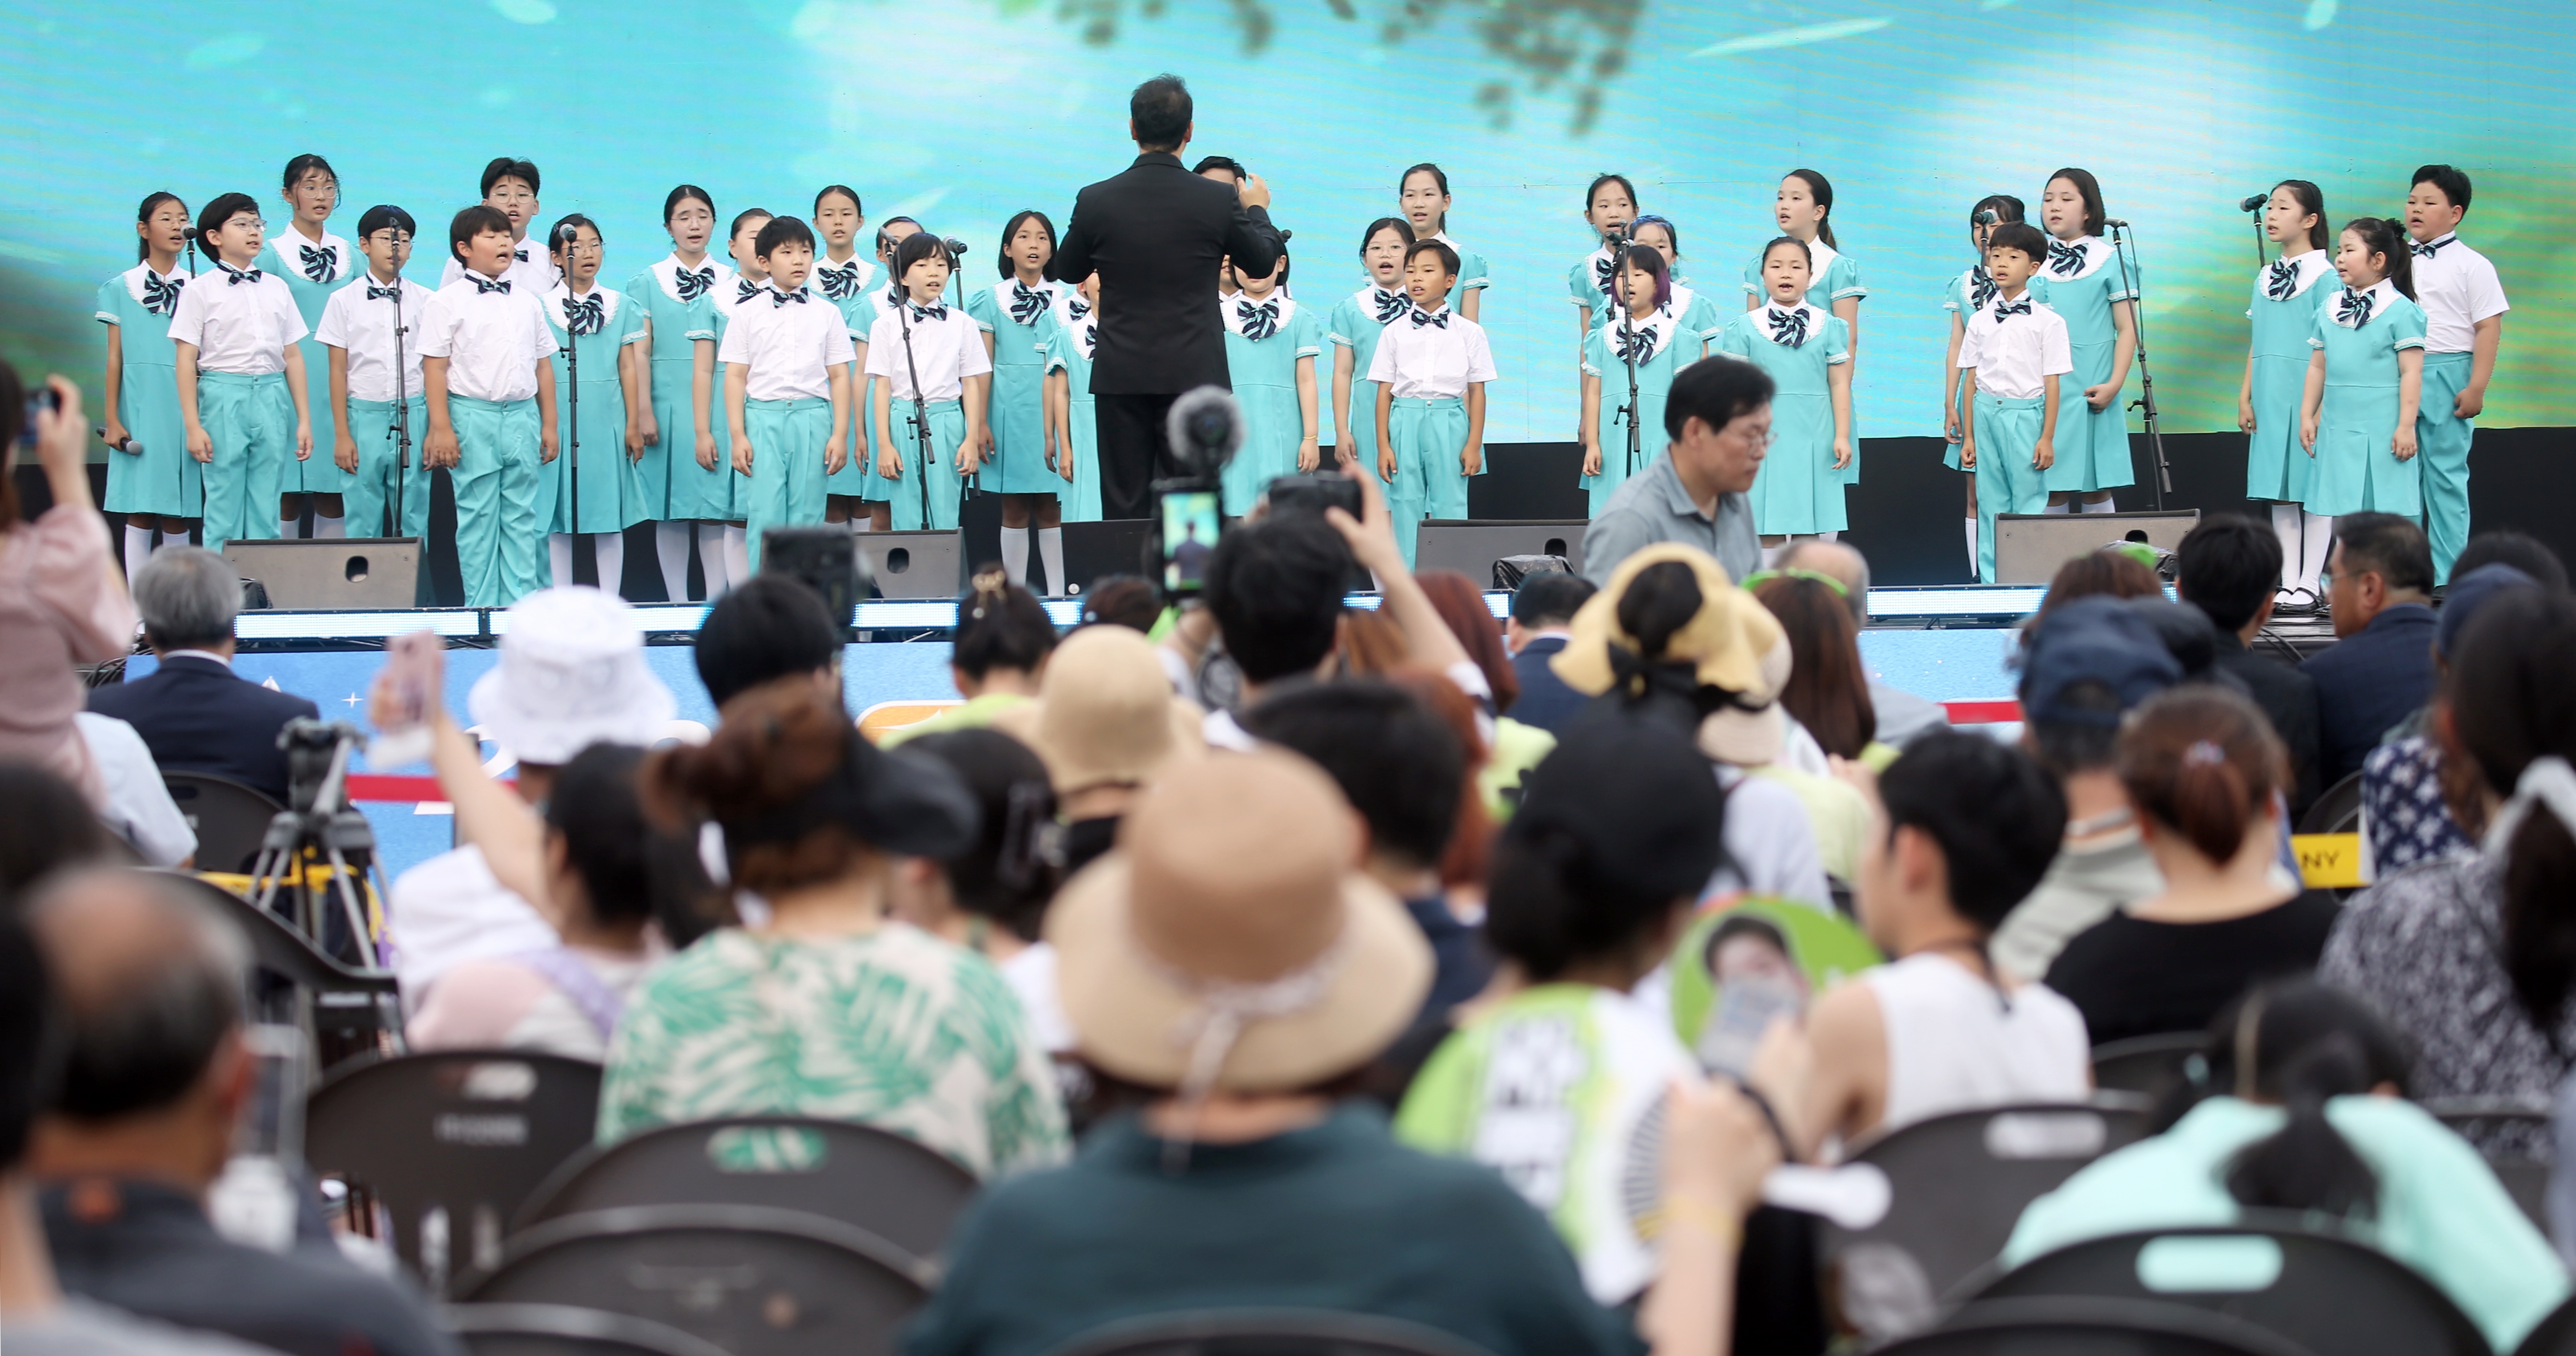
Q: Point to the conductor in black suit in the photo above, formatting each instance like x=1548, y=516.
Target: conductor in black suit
x=1157, y=235
x=193, y=712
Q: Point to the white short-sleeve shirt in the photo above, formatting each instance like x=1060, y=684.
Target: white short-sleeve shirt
x=2014, y=354
x=531, y=270
x=1425, y=359
x=791, y=341
x=240, y=320
x=947, y=348
x=2457, y=287
x=363, y=326
x=492, y=340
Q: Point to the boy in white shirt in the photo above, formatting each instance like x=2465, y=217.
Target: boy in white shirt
x=510, y=188
x=943, y=345
x=2464, y=308
x=241, y=378
x=1431, y=368
x=491, y=406
x=358, y=328
x=2012, y=354
x=786, y=359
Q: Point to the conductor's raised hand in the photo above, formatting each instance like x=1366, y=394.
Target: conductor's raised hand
x=1255, y=192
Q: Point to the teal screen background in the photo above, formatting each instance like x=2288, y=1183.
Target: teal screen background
x=961, y=112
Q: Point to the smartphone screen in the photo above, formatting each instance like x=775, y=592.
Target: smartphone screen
x=1188, y=526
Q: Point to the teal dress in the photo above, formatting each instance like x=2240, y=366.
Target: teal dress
x=1069, y=348
x=1836, y=278
x=1473, y=273
x=162, y=479
x=1797, y=490
x=1019, y=318
x=1588, y=283
x=673, y=487
x=2084, y=281
x=2355, y=470
x=1264, y=372
x=1701, y=322
x=612, y=487
x=1664, y=346
x=1356, y=322
x=846, y=287
x=2284, y=312
x=318, y=271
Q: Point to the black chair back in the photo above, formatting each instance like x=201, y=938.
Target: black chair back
x=230, y=819
x=2091, y=1327
x=1958, y=1184
x=749, y=1279
x=2327, y=1294
x=2149, y=1066
x=896, y=1188
x=2337, y=810
x=2552, y=1336
x=1267, y=1332
x=450, y=1144
x=562, y=1330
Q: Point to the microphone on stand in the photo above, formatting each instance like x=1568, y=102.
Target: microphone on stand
x=2115, y=221
x=2253, y=202
x=566, y=233
x=1988, y=217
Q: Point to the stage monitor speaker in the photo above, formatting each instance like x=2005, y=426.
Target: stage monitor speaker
x=331, y=573
x=915, y=564
x=2030, y=546
x=1095, y=551
x=1472, y=545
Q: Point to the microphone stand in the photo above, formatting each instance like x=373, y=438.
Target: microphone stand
x=1627, y=334
x=2146, y=401
x=920, y=407
x=400, y=429
x=2256, y=219
x=572, y=373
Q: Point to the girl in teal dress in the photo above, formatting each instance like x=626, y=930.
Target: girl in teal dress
x=598, y=324
x=2367, y=374
x=1352, y=329
x=151, y=479
x=1608, y=206
x=1970, y=292
x=2283, y=311
x=1799, y=490
x=842, y=277
x=321, y=262
x=1069, y=409
x=2094, y=288
x=1270, y=348
x=1654, y=334
x=1423, y=195
x=1697, y=315
x=1804, y=207
x=676, y=480
x=1016, y=315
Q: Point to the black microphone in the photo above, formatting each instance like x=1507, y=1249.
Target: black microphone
x=187, y=232
x=1988, y=217
x=566, y=233
x=2115, y=221
x=2253, y=202
x=956, y=247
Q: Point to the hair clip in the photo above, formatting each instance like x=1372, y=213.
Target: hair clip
x=2204, y=751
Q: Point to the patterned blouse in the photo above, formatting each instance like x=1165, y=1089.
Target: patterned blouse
x=2401, y=801
x=894, y=1029
x=2422, y=947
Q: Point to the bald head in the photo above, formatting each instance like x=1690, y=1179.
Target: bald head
x=149, y=979
x=1839, y=563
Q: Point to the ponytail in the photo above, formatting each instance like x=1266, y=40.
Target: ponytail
x=2387, y=237
x=1823, y=192
x=1551, y=906
x=2510, y=706
x=2203, y=762
x=1659, y=602
x=2299, y=1044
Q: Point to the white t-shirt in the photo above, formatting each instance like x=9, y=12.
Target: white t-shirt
x=240, y=323
x=947, y=347
x=492, y=340
x=139, y=807
x=1955, y=1043
x=2457, y=287
x=531, y=269
x=2015, y=353
x=1031, y=975
x=1429, y=355
x=362, y=326
x=451, y=908
x=790, y=341
x=1770, y=843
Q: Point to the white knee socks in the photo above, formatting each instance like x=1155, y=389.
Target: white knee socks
x=138, y=549
x=2316, y=539
x=287, y=528
x=2106, y=506
x=671, y=547
x=737, y=553
x=609, y=550
x=330, y=527
x=1051, y=554
x=2059, y=508
x=711, y=558
x=2285, y=525
x=1972, y=545
x=1015, y=555
x=559, y=556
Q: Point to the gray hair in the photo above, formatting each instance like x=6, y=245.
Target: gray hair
x=146, y=1020
x=188, y=596
x=1853, y=571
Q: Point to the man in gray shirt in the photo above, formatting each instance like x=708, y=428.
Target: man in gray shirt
x=1719, y=419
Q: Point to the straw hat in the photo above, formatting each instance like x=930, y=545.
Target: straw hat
x=571, y=675
x=1230, y=942
x=1733, y=644
x=1105, y=713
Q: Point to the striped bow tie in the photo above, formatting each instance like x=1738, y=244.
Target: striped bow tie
x=1633, y=344
x=745, y=290
x=2065, y=260
x=586, y=316
x=2011, y=308
x=319, y=262
x=1601, y=276
x=839, y=283
x=2428, y=251
x=238, y=276
x=934, y=311
x=375, y=293
x=1090, y=339
x=693, y=283
x=2353, y=308
x=1390, y=305
x=1981, y=288
x=778, y=299
x=2283, y=281
x=1422, y=317
x=1077, y=308
x=483, y=284
x=1027, y=303
x=1259, y=322
x=161, y=295
x=520, y=254
x=1789, y=327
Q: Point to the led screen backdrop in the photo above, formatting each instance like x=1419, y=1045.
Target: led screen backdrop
x=963, y=111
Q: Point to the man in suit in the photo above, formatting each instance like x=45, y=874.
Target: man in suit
x=1157, y=235
x=1542, y=608
x=2381, y=667
x=192, y=712
x=2230, y=568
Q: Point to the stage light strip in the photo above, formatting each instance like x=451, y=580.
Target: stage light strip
x=356, y=625
x=1967, y=600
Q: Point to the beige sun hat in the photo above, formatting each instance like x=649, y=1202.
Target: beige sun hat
x=1230, y=943
x=1733, y=643
x=1105, y=714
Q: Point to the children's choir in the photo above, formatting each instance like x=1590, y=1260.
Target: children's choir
x=786, y=375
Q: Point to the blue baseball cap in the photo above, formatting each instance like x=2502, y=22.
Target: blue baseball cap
x=2467, y=594
x=2093, y=640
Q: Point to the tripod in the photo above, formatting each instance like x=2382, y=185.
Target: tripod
x=2146, y=401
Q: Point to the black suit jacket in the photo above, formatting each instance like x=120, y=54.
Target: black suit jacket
x=2289, y=698
x=197, y=716
x=1545, y=700
x=2369, y=682
x=1156, y=235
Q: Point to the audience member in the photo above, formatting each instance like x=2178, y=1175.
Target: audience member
x=2105, y=573
x=192, y=711
x=2380, y=669
x=997, y=657
x=1509, y=746
x=2418, y=798
x=991, y=898
x=767, y=628
x=1125, y=600
x=2230, y=568
x=1965, y=828
x=62, y=599
x=2202, y=766
x=571, y=675
x=36, y=1317
x=2474, y=957
x=1463, y=865
x=1551, y=1084
x=1542, y=608
x=2083, y=666
x=1234, y=911
x=619, y=894
x=825, y=1009
x=1106, y=723
x=1718, y=416
x=138, y=808
x=48, y=827
x=1902, y=716
x=1828, y=688
x=2303, y=1111
x=155, y=1077
x=2521, y=550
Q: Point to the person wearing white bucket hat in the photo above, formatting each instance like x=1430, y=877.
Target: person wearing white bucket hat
x=571, y=675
